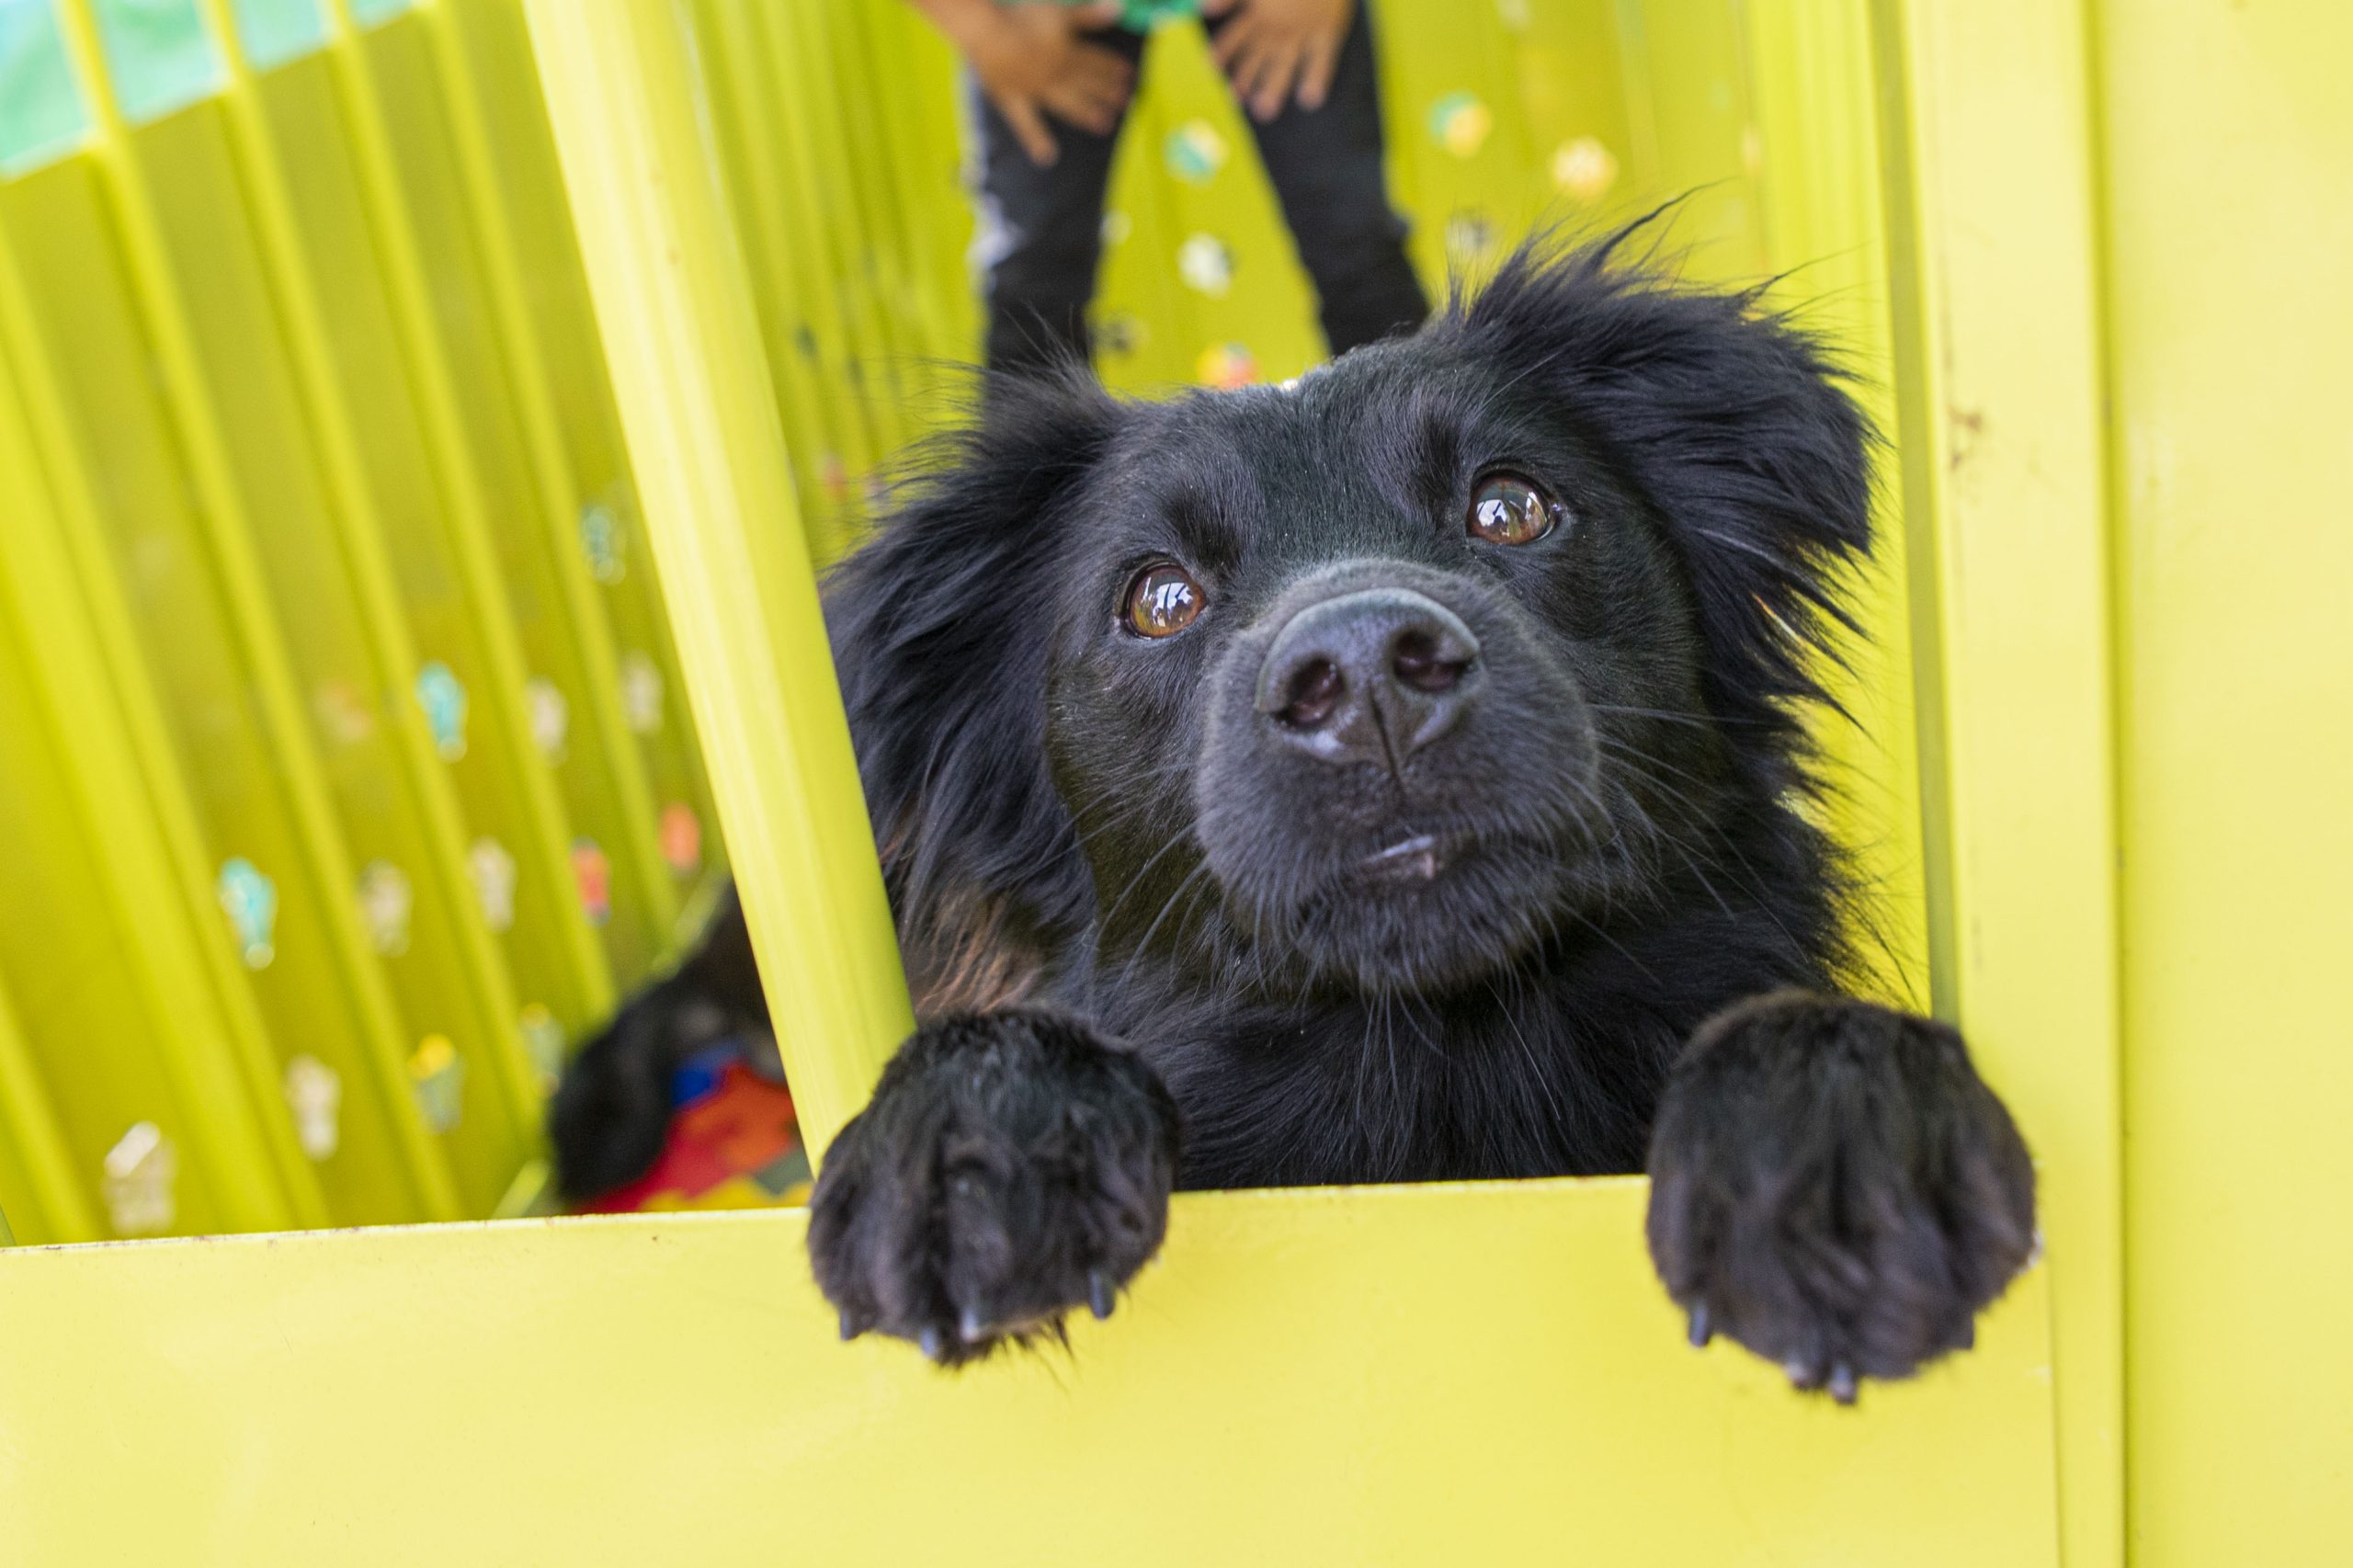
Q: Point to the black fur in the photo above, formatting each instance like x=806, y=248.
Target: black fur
x=1620, y=840
x=611, y=1110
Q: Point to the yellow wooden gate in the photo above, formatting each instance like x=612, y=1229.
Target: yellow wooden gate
x=2091, y=243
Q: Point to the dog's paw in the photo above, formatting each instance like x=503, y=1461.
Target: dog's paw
x=1011, y=1167
x=1834, y=1187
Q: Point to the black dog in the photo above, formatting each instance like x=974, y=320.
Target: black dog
x=1392, y=777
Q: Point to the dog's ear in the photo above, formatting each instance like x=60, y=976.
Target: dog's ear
x=1732, y=422
x=942, y=624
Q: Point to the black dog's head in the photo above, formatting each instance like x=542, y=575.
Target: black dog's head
x=1379, y=680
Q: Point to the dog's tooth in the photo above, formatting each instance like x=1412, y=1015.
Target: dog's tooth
x=933, y=1343
x=971, y=1327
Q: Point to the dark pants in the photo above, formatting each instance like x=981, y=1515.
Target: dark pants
x=1042, y=228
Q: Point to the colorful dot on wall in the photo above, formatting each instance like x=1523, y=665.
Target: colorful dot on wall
x=385, y=902
x=1115, y=228
x=1225, y=366
x=1584, y=169
x=601, y=541
x=315, y=1094
x=680, y=836
x=138, y=1179
x=833, y=474
x=1513, y=14
x=1195, y=152
x=550, y=716
x=442, y=695
x=1205, y=265
x=491, y=869
x=437, y=1076
x=641, y=693
x=344, y=716
x=1460, y=123
x=542, y=1043
x=250, y=901
x=593, y=874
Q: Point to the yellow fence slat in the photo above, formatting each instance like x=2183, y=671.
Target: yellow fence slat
x=2225, y=217
x=1407, y=1375
x=508, y=793
x=360, y=534
x=164, y=315
x=1991, y=196
x=697, y=402
x=762, y=190
x=636, y=854
x=37, y=1183
x=450, y=977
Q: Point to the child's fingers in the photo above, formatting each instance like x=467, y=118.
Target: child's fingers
x=1316, y=74
x=1101, y=14
x=1229, y=44
x=1089, y=108
x=1102, y=70
x=1264, y=79
x=1030, y=130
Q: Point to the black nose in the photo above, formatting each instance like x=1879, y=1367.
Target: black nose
x=1368, y=676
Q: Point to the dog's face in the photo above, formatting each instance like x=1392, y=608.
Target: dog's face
x=1371, y=683
x=1347, y=670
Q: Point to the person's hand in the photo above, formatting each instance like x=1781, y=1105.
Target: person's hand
x=1032, y=63
x=1272, y=45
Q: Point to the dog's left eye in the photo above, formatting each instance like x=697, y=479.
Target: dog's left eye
x=1162, y=599
x=1508, y=509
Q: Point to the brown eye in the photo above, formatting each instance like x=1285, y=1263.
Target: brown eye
x=1161, y=601
x=1508, y=509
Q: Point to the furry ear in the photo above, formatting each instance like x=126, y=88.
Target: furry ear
x=942, y=630
x=1730, y=418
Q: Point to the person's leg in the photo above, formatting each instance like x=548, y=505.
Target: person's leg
x=1040, y=237
x=1327, y=166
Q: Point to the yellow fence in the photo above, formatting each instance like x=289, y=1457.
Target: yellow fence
x=349, y=771
x=298, y=396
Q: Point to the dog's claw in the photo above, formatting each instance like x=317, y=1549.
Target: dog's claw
x=1701, y=1330
x=1100, y=1298
x=971, y=1327
x=933, y=1343
x=1842, y=1382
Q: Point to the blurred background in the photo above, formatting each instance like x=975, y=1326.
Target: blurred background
x=348, y=777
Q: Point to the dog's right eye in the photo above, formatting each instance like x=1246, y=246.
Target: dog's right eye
x=1162, y=599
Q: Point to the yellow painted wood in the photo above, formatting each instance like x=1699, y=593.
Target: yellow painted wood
x=2225, y=232
x=359, y=531
x=165, y=317
x=699, y=411
x=1825, y=229
x=535, y=821
x=635, y=854
x=135, y=1027
x=1405, y=1375
x=1991, y=198
x=178, y=714
x=36, y=1172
